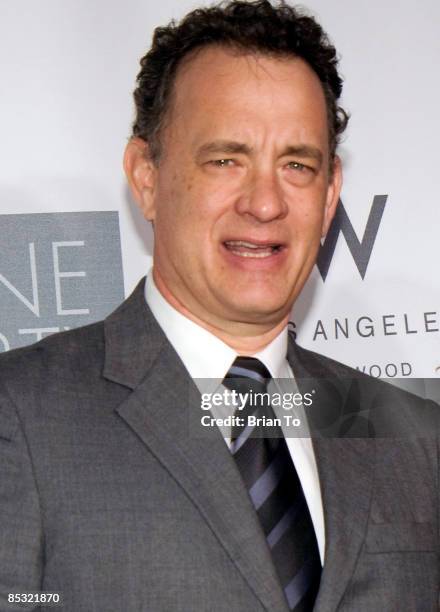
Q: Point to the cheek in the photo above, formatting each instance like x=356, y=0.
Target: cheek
x=171, y=202
x=182, y=226
x=307, y=222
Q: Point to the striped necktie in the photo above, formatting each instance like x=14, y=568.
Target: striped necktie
x=265, y=464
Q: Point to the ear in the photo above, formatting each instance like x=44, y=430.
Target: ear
x=141, y=174
x=333, y=193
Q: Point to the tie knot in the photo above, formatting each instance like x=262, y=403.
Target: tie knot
x=247, y=368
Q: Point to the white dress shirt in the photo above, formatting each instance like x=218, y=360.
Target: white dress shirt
x=193, y=343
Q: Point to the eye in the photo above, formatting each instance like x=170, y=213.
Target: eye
x=293, y=165
x=299, y=174
x=222, y=163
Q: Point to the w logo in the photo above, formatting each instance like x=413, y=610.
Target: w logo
x=360, y=249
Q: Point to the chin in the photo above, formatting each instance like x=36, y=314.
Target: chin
x=259, y=311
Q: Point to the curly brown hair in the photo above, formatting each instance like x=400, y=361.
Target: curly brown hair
x=256, y=27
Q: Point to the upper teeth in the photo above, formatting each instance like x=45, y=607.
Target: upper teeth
x=249, y=245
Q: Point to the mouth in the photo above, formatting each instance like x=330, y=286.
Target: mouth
x=250, y=249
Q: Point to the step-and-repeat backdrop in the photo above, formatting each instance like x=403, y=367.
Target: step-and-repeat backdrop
x=72, y=242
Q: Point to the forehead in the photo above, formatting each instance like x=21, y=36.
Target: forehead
x=217, y=85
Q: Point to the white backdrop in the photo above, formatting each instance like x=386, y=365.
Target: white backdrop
x=68, y=72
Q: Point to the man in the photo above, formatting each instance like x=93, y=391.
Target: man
x=112, y=495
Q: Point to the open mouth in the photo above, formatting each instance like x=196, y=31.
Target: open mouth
x=243, y=248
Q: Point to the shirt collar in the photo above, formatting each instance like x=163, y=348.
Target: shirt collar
x=203, y=354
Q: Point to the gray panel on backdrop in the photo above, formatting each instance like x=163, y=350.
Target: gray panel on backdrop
x=57, y=271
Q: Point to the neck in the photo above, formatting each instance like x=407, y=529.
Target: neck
x=249, y=344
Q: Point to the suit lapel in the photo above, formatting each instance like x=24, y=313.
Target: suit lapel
x=345, y=467
x=163, y=410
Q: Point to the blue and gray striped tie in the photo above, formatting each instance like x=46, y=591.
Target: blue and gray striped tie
x=265, y=464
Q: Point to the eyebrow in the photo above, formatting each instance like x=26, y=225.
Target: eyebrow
x=230, y=147
x=304, y=151
x=223, y=146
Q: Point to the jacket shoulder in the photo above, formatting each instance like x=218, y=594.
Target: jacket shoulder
x=327, y=365
x=387, y=409
x=59, y=360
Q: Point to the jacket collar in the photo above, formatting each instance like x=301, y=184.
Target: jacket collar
x=133, y=340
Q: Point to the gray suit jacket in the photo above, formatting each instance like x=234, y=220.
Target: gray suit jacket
x=107, y=498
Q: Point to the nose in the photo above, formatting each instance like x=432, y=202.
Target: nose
x=263, y=198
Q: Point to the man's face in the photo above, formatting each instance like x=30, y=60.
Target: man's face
x=242, y=193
